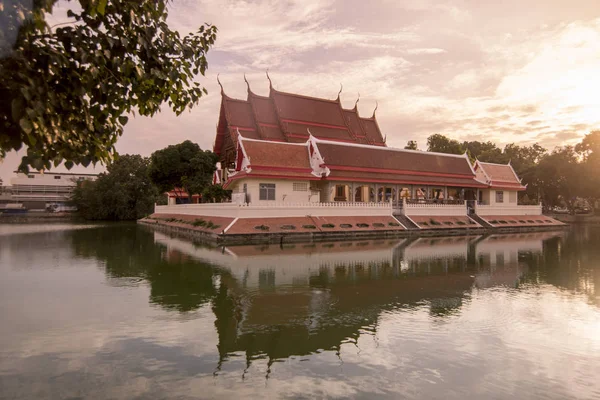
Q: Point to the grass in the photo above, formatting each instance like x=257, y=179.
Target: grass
x=199, y=222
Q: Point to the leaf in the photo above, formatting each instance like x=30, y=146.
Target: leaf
x=101, y=6
x=123, y=120
x=26, y=125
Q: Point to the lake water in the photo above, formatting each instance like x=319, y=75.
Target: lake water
x=122, y=312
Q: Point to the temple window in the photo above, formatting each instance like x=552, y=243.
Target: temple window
x=405, y=193
x=266, y=191
x=300, y=187
x=341, y=193
x=453, y=194
x=437, y=193
x=421, y=193
x=499, y=196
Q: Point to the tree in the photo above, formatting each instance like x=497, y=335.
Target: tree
x=442, y=144
x=66, y=90
x=411, y=145
x=589, y=150
x=215, y=194
x=559, y=176
x=124, y=192
x=184, y=165
x=483, y=151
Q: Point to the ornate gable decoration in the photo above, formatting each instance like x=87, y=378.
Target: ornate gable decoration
x=317, y=162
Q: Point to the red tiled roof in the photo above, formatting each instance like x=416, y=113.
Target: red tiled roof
x=408, y=179
x=287, y=117
x=276, y=154
x=500, y=175
x=392, y=160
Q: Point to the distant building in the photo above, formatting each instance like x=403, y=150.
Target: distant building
x=39, y=190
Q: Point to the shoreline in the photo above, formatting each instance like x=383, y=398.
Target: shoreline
x=307, y=237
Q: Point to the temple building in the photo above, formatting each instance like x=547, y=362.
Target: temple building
x=291, y=148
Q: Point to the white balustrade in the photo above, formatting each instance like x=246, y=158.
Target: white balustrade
x=277, y=209
x=508, y=209
x=425, y=209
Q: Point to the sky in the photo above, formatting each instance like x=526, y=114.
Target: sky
x=510, y=71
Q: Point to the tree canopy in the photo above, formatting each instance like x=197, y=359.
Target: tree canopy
x=184, y=165
x=442, y=144
x=411, y=145
x=124, y=192
x=66, y=90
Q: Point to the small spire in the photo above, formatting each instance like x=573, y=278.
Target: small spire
x=357, y=100
x=385, y=138
x=269, y=78
x=376, y=106
x=218, y=81
x=247, y=84
x=340, y=92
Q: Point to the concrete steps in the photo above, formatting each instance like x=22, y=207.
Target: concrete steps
x=480, y=221
x=408, y=224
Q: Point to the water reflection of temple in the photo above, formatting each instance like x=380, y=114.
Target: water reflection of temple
x=274, y=302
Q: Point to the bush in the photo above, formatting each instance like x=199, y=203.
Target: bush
x=212, y=225
x=392, y=224
x=309, y=227
x=460, y=223
x=378, y=225
x=530, y=221
x=362, y=225
x=288, y=227
x=261, y=228
x=199, y=222
x=345, y=225
x=493, y=221
x=434, y=222
x=328, y=226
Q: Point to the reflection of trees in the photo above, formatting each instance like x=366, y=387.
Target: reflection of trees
x=176, y=281
x=570, y=262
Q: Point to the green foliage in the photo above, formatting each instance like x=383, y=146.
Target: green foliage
x=309, y=227
x=442, y=144
x=66, y=91
x=261, y=228
x=184, y=165
x=328, y=226
x=411, y=145
x=125, y=192
x=199, y=222
x=215, y=194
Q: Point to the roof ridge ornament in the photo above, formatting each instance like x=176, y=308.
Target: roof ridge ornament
x=269, y=78
x=376, y=107
x=247, y=83
x=340, y=92
x=220, y=84
x=356, y=103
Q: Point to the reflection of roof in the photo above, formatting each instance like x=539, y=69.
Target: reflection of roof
x=499, y=175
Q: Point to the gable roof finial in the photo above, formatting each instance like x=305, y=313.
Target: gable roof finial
x=269, y=78
x=357, y=100
x=340, y=92
x=247, y=84
x=219, y=82
x=376, y=106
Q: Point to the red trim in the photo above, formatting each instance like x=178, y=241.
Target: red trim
x=517, y=188
x=295, y=121
x=241, y=128
x=396, y=171
x=291, y=169
x=408, y=182
x=297, y=135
